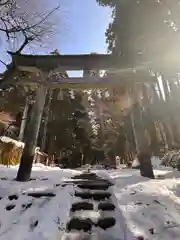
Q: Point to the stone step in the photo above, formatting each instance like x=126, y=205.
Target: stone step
x=86, y=224
x=98, y=196
x=89, y=176
x=94, y=185
x=86, y=181
x=87, y=214
x=81, y=206
x=41, y=194
x=106, y=223
x=79, y=224
x=106, y=206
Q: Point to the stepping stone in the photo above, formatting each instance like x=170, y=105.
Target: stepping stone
x=106, y=223
x=57, y=184
x=79, y=224
x=33, y=179
x=41, y=194
x=94, y=186
x=4, y=178
x=81, y=206
x=82, y=181
x=26, y=206
x=10, y=207
x=106, y=206
x=96, y=196
x=44, y=179
x=89, y=176
x=13, y=197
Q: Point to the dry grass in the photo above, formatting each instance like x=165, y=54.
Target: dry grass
x=10, y=154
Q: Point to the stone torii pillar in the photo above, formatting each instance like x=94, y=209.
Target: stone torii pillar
x=30, y=139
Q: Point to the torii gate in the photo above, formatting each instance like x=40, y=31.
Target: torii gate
x=43, y=64
x=119, y=73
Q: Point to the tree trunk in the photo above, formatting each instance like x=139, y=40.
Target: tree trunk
x=24, y=120
x=25, y=167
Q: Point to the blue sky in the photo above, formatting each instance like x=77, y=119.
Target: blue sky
x=82, y=29
x=87, y=25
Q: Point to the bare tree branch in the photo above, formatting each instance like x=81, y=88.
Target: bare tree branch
x=13, y=25
x=17, y=28
x=25, y=43
x=20, y=26
x=6, y=27
x=2, y=3
x=3, y=63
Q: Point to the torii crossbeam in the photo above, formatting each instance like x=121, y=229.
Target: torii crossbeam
x=118, y=71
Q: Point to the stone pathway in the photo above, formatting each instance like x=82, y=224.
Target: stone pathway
x=92, y=212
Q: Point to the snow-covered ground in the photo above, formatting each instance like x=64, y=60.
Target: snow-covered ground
x=34, y=218
x=151, y=208
x=148, y=208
